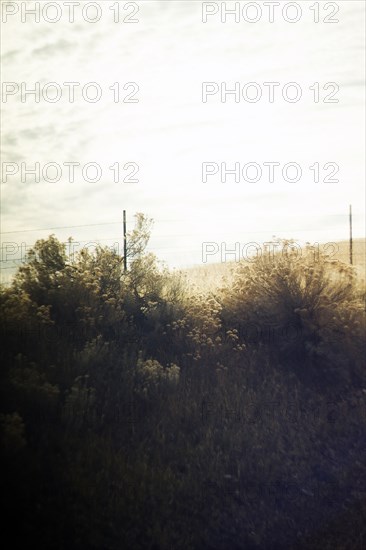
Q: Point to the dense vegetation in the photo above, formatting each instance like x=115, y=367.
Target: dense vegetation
x=138, y=412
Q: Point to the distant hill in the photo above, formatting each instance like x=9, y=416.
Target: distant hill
x=359, y=256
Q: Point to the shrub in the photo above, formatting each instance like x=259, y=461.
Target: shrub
x=312, y=307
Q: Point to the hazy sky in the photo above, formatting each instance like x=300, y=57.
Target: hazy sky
x=170, y=132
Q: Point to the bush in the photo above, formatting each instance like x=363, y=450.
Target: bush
x=139, y=412
x=306, y=311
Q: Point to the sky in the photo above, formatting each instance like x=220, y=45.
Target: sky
x=169, y=132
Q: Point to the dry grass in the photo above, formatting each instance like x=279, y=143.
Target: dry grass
x=211, y=276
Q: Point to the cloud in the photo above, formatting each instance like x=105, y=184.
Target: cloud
x=52, y=49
